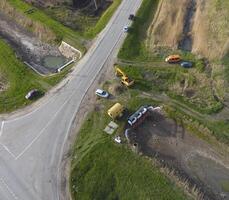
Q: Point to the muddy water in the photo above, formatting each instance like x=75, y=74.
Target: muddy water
x=54, y=62
x=181, y=151
x=186, y=41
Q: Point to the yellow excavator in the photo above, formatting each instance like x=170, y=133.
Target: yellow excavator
x=124, y=78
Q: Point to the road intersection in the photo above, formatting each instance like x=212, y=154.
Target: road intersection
x=32, y=144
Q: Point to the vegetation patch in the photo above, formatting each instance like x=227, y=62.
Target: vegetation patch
x=60, y=31
x=103, y=20
x=188, y=86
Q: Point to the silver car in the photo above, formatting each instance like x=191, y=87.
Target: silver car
x=102, y=93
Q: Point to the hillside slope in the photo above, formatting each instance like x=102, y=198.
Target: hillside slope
x=204, y=22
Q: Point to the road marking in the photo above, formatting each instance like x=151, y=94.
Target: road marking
x=41, y=132
x=8, y=189
x=1, y=130
x=7, y=149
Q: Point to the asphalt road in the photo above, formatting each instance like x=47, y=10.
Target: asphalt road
x=31, y=144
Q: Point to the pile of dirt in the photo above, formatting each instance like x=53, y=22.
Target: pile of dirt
x=200, y=26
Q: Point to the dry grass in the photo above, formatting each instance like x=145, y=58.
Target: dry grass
x=167, y=28
x=195, y=86
x=40, y=30
x=209, y=29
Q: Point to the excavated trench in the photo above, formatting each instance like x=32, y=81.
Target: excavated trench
x=186, y=41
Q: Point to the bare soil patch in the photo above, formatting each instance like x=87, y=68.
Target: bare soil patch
x=192, y=159
x=29, y=48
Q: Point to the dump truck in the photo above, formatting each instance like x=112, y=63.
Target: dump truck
x=115, y=111
x=124, y=78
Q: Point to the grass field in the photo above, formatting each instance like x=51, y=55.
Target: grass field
x=102, y=169
x=20, y=79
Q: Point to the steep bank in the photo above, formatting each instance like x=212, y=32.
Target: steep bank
x=204, y=22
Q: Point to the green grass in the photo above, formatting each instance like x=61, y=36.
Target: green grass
x=133, y=47
x=225, y=185
x=20, y=79
x=103, y=20
x=102, y=169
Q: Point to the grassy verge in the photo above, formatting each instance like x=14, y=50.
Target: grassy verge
x=102, y=169
x=133, y=47
x=19, y=80
x=100, y=25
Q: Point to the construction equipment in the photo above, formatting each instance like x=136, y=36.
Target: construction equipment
x=115, y=111
x=124, y=78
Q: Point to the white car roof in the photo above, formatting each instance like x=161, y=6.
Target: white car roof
x=99, y=91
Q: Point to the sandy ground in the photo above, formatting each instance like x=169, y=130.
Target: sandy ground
x=191, y=158
x=27, y=46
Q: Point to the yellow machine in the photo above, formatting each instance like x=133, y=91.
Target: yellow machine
x=124, y=78
x=115, y=111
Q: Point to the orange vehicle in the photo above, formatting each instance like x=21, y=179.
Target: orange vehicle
x=173, y=59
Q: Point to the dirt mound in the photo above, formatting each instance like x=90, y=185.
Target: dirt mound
x=115, y=89
x=202, y=24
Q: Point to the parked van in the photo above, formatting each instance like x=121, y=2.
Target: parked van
x=115, y=111
x=173, y=59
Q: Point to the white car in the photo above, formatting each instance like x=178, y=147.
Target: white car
x=126, y=29
x=102, y=93
x=32, y=94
